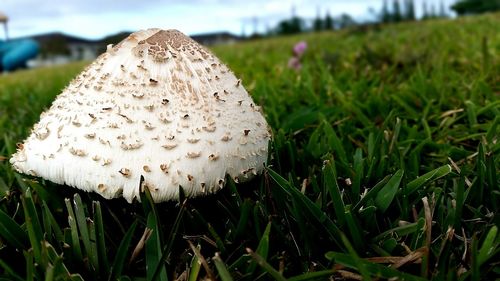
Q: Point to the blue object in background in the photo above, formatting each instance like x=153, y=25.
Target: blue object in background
x=16, y=53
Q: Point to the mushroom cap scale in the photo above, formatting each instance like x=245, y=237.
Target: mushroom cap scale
x=159, y=105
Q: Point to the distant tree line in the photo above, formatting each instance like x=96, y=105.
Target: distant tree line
x=392, y=11
x=296, y=24
x=397, y=13
x=405, y=11
x=468, y=7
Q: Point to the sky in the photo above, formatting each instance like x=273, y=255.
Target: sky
x=94, y=19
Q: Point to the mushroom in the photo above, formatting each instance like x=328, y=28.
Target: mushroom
x=156, y=105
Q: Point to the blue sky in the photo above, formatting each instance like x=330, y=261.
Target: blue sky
x=98, y=18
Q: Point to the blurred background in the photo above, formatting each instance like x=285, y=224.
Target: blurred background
x=41, y=33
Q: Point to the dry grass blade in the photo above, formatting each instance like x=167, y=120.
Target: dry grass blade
x=196, y=251
x=395, y=262
x=455, y=166
x=450, y=233
x=304, y=185
x=3, y=158
x=140, y=245
x=466, y=246
x=413, y=257
x=182, y=277
x=389, y=260
x=347, y=275
x=202, y=237
x=428, y=230
x=451, y=112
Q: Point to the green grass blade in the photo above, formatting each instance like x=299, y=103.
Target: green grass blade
x=282, y=182
x=245, y=211
x=262, y=248
x=121, y=253
x=308, y=205
x=481, y=174
x=100, y=239
x=94, y=252
x=471, y=113
x=266, y=266
x=153, y=251
x=52, y=222
x=489, y=247
x=358, y=175
x=371, y=194
x=81, y=220
x=4, y=189
x=402, y=230
x=218, y=240
x=194, y=268
x=166, y=251
x=30, y=265
x=12, y=233
x=402, y=103
x=8, y=271
x=385, y=196
x=20, y=181
x=460, y=200
x=150, y=206
x=224, y=274
x=475, y=269
x=234, y=191
x=330, y=180
x=419, y=182
x=56, y=260
x=75, y=238
x=360, y=266
x=335, y=143
x=356, y=233
x=33, y=226
x=493, y=131
x=49, y=272
x=395, y=135
x=318, y=275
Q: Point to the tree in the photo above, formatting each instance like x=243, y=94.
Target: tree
x=442, y=10
x=467, y=7
x=396, y=11
x=433, y=13
x=385, y=15
x=410, y=10
x=318, y=22
x=425, y=12
x=290, y=26
x=328, y=23
x=346, y=20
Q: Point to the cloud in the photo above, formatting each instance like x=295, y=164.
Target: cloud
x=27, y=9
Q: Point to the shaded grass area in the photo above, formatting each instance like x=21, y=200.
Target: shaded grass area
x=385, y=163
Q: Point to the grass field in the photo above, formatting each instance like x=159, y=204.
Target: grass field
x=385, y=163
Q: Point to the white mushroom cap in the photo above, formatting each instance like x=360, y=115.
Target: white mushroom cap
x=158, y=105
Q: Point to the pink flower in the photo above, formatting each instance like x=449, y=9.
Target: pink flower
x=299, y=48
x=294, y=63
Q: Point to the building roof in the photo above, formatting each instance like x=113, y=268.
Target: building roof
x=41, y=38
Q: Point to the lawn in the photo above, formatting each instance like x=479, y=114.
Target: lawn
x=384, y=163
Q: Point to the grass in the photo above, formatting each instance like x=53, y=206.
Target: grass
x=384, y=164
